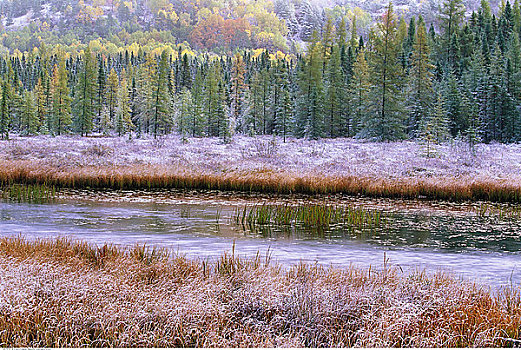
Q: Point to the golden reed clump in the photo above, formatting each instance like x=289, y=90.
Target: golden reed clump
x=161, y=176
x=63, y=293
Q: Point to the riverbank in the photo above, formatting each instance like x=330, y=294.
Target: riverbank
x=60, y=293
x=264, y=164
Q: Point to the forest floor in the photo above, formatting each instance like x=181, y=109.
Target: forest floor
x=270, y=159
x=62, y=293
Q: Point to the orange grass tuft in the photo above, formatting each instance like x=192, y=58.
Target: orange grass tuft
x=160, y=176
x=63, y=293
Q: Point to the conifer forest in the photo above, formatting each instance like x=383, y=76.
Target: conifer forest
x=456, y=77
x=260, y=173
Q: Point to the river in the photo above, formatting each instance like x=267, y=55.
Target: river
x=429, y=236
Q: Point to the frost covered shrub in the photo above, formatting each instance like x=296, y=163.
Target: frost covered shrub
x=98, y=150
x=265, y=148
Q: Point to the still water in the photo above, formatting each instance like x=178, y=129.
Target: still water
x=431, y=236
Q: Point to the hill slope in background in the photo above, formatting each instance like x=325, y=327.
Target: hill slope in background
x=207, y=25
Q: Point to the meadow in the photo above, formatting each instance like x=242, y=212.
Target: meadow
x=265, y=164
x=64, y=293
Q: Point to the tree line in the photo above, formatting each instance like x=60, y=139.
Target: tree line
x=401, y=81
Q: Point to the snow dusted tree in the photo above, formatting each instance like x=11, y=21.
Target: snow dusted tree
x=84, y=94
x=238, y=90
x=123, y=115
x=30, y=122
x=4, y=112
x=385, y=120
x=420, y=91
x=42, y=110
x=310, y=101
x=184, y=111
x=111, y=95
x=197, y=122
x=434, y=129
x=162, y=102
x=281, y=100
x=358, y=94
x=61, y=100
x=334, y=96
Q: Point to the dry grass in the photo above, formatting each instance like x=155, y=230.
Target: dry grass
x=162, y=176
x=65, y=293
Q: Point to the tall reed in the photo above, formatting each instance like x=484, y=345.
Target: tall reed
x=160, y=176
x=63, y=293
x=321, y=216
x=37, y=193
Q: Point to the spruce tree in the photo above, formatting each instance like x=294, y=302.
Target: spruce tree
x=162, y=112
x=124, y=121
x=310, y=118
x=385, y=122
x=111, y=95
x=85, y=94
x=358, y=95
x=5, y=122
x=420, y=80
x=29, y=117
x=61, y=101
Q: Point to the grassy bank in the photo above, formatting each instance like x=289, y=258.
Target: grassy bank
x=136, y=177
x=64, y=293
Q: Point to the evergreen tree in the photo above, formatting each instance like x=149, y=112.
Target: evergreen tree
x=434, y=128
x=162, y=113
x=184, y=112
x=123, y=115
x=85, y=94
x=310, y=118
x=111, y=95
x=238, y=89
x=5, y=122
x=29, y=117
x=386, y=119
x=334, y=96
x=359, y=92
x=61, y=101
x=420, y=80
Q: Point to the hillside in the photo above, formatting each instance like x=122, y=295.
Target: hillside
x=206, y=25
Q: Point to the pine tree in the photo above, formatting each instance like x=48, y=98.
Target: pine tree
x=41, y=107
x=420, y=80
x=197, y=122
x=111, y=95
x=238, y=89
x=451, y=15
x=124, y=120
x=162, y=113
x=100, y=93
x=184, y=112
x=334, y=96
x=61, y=101
x=386, y=119
x=5, y=122
x=434, y=129
x=144, y=95
x=85, y=94
x=310, y=118
x=29, y=117
x=358, y=94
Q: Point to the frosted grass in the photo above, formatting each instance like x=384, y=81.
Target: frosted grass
x=337, y=157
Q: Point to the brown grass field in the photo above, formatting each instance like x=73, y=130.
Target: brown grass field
x=269, y=181
x=63, y=293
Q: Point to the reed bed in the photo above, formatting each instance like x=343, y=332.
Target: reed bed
x=314, y=216
x=63, y=293
x=139, y=177
x=35, y=193
x=499, y=211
